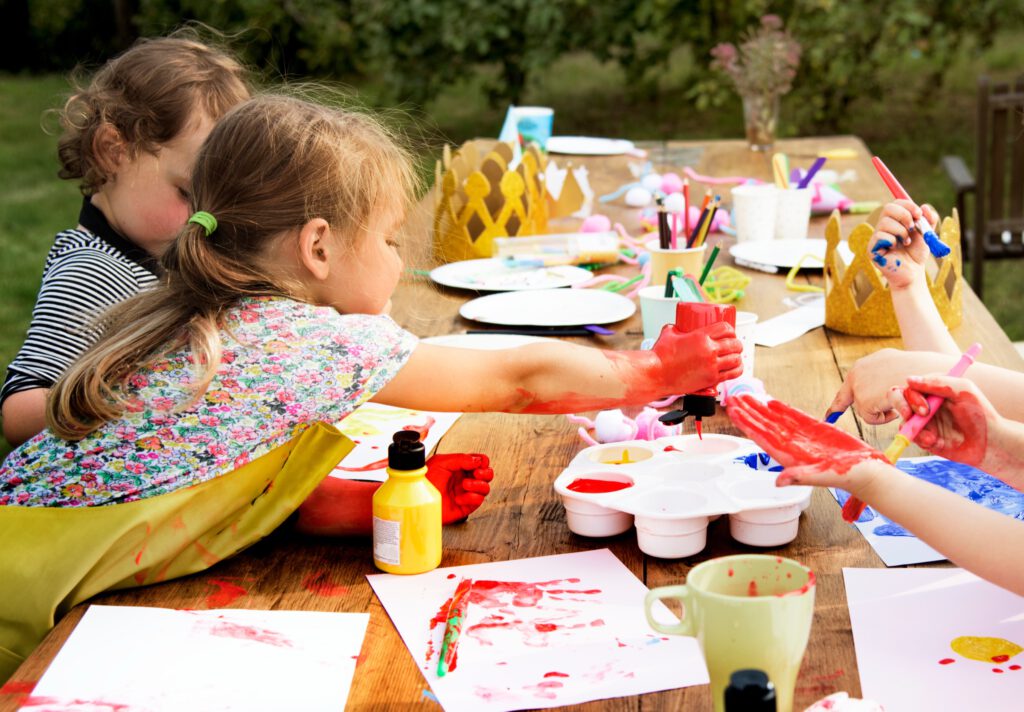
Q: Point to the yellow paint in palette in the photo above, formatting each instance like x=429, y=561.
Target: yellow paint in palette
x=623, y=461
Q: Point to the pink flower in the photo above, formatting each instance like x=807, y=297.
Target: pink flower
x=135, y=468
x=771, y=22
x=210, y=420
x=217, y=450
x=285, y=395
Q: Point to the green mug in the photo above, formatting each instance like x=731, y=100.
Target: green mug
x=746, y=611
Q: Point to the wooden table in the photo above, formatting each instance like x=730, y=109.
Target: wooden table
x=523, y=516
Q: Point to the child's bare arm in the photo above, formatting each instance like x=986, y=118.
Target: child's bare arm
x=24, y=415
x=561, y=377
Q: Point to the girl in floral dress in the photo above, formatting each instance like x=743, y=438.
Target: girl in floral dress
x=197, y=423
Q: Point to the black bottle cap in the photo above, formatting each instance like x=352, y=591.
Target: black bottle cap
x=406, y=452
x=749, y=691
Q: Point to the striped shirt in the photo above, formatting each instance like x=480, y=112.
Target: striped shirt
x=88, y=270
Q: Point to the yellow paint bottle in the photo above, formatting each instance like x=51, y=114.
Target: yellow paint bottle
x=406, y=511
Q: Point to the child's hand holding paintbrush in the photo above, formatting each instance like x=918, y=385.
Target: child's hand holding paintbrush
x=964, y=427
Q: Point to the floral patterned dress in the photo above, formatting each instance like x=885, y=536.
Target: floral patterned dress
x=284, y=366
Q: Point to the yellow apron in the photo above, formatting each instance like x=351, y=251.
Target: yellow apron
x=53, y=558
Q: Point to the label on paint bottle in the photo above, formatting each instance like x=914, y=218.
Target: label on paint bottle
x=387, y=541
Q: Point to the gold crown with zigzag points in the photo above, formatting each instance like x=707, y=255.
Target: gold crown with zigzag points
x=857, y=298
x=479, y=198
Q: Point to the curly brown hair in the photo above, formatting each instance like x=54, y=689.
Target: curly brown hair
x=148, y=94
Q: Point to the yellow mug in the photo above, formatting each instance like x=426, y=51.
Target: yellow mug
x=746, y=611
x=686, y=260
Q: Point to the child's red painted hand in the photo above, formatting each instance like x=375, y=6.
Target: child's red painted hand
x=813, y=452
x=897, y=250
x=699, y=359
x=966, y=427
x=462, y=479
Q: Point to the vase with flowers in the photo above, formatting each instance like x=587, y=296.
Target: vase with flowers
x=762, y=68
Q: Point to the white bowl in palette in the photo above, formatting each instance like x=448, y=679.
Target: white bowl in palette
x=672, y=487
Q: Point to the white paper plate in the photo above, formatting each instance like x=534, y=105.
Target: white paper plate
x=549, y=307
x=494, y=275
x=786, y=253
x=589, y=145
x=483, y=342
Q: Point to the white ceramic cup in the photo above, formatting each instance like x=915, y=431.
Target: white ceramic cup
x=656, y=310
x=793, y=214
x=754, y=208
x=746, y=323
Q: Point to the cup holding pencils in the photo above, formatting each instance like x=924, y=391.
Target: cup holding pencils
x=685, y=260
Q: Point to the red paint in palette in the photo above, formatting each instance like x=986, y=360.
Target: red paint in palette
x=1000, y=658
x=947, y=661
x=225, y=594
x=585, y=485
x=672, y=448
x=999, y=670
x=319, y=582
x=1015, y=667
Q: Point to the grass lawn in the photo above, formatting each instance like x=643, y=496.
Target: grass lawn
x=590, y=98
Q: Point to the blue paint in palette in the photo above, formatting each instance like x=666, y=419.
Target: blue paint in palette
x=964, y=480
x=759, y=461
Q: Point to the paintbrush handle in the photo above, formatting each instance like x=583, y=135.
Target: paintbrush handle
x=453, y=627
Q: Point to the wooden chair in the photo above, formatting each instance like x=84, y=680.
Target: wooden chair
x=997, y=228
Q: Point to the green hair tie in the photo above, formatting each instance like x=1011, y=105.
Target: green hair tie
x=206, y=220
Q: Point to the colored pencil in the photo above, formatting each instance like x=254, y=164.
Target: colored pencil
x=708, y=264
x=703, y=234
x=453, y=627
x=707, y=199
x=691, y=241
x=663, y=232
x=780, y=167
x=686, y=206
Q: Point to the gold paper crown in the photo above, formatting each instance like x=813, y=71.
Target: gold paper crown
x=856, y=299
x=480, y=199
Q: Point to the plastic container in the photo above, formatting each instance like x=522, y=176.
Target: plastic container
x=676, y=486
x=406, y=511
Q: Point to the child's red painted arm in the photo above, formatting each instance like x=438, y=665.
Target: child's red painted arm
x=559, y=377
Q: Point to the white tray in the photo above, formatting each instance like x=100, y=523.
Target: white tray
x=679, y=484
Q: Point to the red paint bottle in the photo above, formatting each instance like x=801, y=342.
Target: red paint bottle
x=691, y=316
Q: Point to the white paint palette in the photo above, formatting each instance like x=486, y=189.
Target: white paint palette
x=672, y=487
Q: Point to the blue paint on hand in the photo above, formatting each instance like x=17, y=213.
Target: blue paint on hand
x=882, y=244
x=878, y=260
x=831, y=418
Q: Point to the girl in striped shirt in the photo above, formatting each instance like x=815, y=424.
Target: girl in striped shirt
x=130, y=137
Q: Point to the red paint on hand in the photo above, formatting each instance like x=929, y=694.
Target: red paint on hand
x=463, y=479
x=795, y=439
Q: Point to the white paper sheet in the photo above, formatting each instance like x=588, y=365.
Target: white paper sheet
x=895, y=545
x=905, y=622
x=371, y=427
x=566, y=629
x=156, y=659
x=790, y=325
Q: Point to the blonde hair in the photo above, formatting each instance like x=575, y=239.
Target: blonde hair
x=149, y=94
x=268, y=167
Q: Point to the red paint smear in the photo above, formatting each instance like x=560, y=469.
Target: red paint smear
x=1000, y=658
x=999, y=670
x=590, y=486
x=621, y=644
x=65, y=703
x=19, y=689
x=319, y=582
x=377, y=465
x=1015, y=667
x=225, y=595
x=556, y=674
x=672, y=448
x=227, y=629
x=546, y=627
x=752, y=588
x=450, y=576
x=597, y=623
x=803, y=589
x=731, y=572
